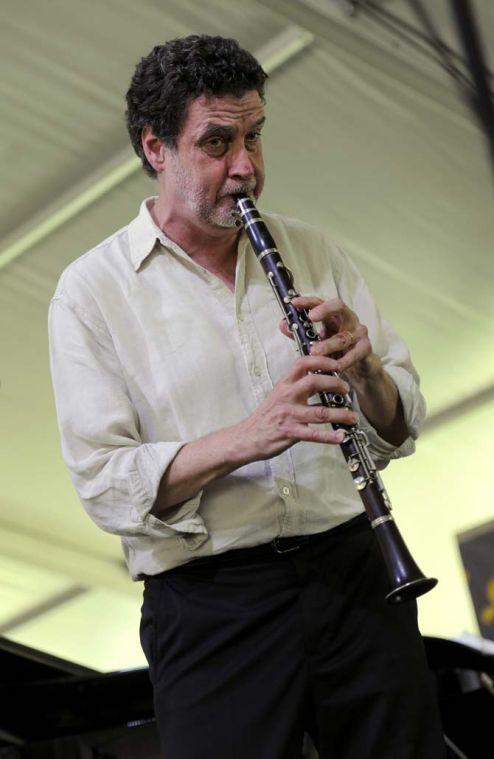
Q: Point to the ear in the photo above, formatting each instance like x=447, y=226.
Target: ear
x=154, y=149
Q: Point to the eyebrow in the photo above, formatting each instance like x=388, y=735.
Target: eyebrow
x=223, y=130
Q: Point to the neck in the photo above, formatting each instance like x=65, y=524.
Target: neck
x=214, y=248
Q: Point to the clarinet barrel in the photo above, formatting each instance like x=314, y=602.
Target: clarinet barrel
x=406, y=579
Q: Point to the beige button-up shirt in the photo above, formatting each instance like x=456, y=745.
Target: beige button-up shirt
x=149, y=350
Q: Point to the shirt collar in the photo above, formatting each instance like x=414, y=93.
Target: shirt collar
x=143, y=233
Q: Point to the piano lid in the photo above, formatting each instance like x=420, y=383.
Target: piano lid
x=43, y=696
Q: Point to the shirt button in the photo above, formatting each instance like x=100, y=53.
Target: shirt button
x=286, y=490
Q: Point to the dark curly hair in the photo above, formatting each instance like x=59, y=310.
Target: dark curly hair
x=173, y=74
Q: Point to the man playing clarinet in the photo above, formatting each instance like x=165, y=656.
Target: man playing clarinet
x=264, y=613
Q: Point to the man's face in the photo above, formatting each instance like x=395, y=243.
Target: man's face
x=218, y=154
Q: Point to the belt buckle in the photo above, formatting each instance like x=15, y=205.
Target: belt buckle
x=277, y=548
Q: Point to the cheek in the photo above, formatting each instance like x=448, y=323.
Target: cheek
x=209, y=173
x=214, y=177
x=259, y=175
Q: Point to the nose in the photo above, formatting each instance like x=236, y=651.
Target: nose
x=241, y=165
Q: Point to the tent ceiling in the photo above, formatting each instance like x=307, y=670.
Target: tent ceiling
x=376, y=25
x=364, y=137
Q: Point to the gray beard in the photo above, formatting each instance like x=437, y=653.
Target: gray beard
x=205, y=210
x=214, y=214
x=221, y=217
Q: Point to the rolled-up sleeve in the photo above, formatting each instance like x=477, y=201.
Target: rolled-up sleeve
x=115, y=473
x=395, y=357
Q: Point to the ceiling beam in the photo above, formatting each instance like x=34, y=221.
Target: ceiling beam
x=345, y=32
x=83, y=568
x=463, y=406
x=42, y=608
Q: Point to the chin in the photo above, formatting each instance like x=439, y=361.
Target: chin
x=222, y=215
x=228, y=222
x=222, y=219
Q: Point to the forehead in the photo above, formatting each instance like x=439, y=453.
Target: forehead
x=226, y=109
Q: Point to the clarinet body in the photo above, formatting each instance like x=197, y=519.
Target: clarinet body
x=406, y=579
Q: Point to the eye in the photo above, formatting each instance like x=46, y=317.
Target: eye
x=252, y=139
x=216, y=145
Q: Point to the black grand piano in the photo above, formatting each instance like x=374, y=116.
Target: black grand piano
x=54, y=709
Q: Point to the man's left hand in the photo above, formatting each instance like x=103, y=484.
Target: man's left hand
x=341, y=333
x=343, y=337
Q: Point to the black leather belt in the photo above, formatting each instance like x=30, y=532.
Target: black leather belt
x=286, y=545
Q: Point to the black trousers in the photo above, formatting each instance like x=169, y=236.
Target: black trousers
x=249, y=649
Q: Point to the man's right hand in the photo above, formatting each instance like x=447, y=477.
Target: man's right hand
x=283, y=418
x=279, y=422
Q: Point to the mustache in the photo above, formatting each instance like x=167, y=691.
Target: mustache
x=243, y=187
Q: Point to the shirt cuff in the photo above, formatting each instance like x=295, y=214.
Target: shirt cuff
x=414, y=413
x=151, y=462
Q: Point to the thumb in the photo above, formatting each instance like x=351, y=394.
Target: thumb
x=284, y=329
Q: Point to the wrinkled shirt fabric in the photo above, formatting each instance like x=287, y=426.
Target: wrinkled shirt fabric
x=149, y=350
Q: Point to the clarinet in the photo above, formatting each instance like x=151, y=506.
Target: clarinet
x=406, y=579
